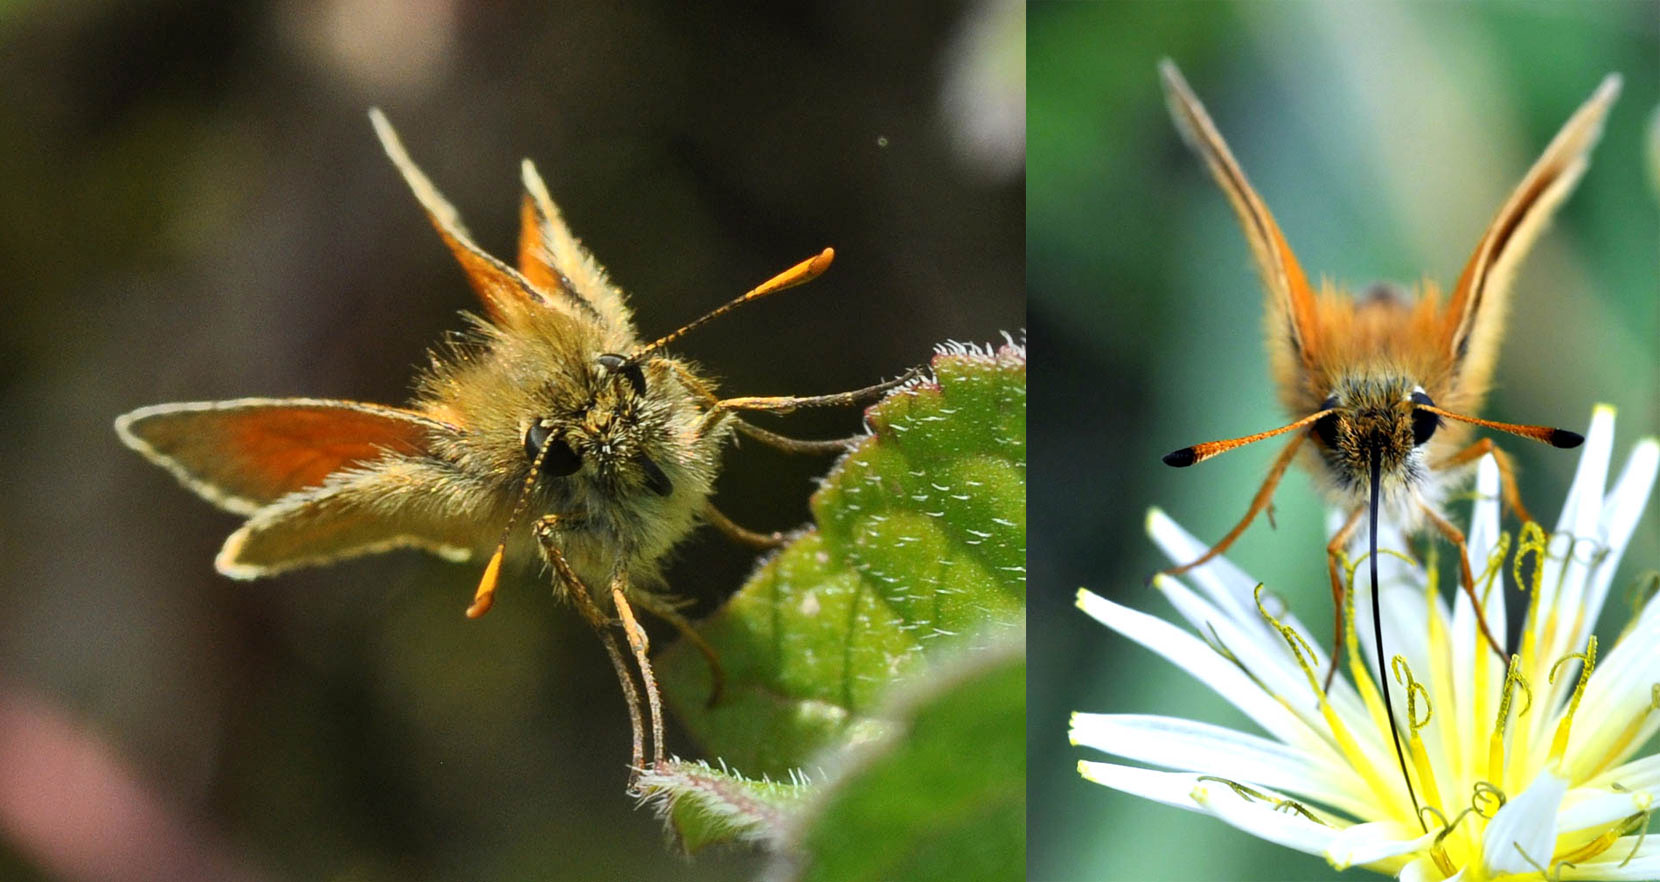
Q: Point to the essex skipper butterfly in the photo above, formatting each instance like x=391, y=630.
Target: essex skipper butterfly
x=551, y=426
x=1382, y=388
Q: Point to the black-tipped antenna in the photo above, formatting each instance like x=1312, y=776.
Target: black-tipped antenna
x=1198, y=453
x=1560, y=438
x=801, y=273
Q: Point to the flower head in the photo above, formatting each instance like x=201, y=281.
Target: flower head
x=1520, y=766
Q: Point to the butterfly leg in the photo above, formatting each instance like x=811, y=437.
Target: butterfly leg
x=665, y=610
x=545, y=529
x=1264, y=494
x=641, y=647
x=1466, y=578
x=795, y=445
x=1507, y=472
x=1334, y=548
x=733, y=531
x=720, y=409
x=788, y=403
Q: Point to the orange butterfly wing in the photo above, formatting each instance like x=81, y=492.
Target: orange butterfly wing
x=245, y=454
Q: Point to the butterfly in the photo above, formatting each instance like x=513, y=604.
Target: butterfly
x=549, y=429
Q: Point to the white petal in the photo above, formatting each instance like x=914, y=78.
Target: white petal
x=1262, y=820
x=1170, y=788
x=1192, y=746
x=1618, y=694
x=1565, y=580
x=1640, y=774
x=1227, y=586
x=1266, y=656
x=1199, y=660
x=1643, y=863
x=1528, y=823
x=1621, y=511
x=1465, y=633
x=1585, y=808
x=1364, y=844
x=1424, y=870
x=1482, y=538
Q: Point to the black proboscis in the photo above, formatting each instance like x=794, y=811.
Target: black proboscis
x=1377, y=631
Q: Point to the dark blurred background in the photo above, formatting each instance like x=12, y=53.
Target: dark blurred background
x=1383, y=137
x=194, y=207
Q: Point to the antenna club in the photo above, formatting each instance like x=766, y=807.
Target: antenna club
x=1181, y=459
x=485, y=597
x=1565, y=439
x=822, y=262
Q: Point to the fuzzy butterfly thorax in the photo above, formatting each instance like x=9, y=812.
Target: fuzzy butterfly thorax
x=638, y=458
x=1366, y=356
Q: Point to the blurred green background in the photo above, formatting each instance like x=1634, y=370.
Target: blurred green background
x=1383, y=137
x=194, y=207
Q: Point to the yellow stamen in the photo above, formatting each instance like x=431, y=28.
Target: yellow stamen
x=1415, y=692
x=1559, y=744
x=1535, y=543
x=1513, y=680
x=1481, y=704
x=1532, y=541
x=1620, y=746
x=1248, y=793
x=1606, y=841
x=1438, y=851
x=1366, y=766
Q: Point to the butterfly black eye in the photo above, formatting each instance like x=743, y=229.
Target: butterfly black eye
x=656, y=481
x=631, y=371
x=1325, y=428
x=560, y=461
x=1424, y=423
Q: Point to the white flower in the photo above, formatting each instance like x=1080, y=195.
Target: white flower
x=1520, y=772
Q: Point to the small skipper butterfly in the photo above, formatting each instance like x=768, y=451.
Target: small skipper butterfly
x=1383, y=387
x=549, y=426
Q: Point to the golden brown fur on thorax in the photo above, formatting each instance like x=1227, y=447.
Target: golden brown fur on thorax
x=1394, y=330
x=546, y=368
x=1366, y=355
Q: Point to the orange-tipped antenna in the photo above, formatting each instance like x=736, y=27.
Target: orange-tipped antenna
x=800, y=274
x=1543, y=434
x=485, y=596
x=1200, y=452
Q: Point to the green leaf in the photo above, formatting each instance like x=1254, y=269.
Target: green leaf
x=939, y=793
x=706, y=805
x=941, y=796
x=920, y=550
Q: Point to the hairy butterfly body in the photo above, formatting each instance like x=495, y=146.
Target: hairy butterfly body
x=548, y=427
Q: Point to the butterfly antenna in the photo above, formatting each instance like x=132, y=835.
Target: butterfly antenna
x=485, y=596
x=800, y=274
x=1200, y=452
x=1561, y=438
